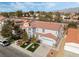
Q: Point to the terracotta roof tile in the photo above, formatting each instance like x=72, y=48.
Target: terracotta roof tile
x=73, y=35
x=46, y=25
x=49, y=35
x=1, y=18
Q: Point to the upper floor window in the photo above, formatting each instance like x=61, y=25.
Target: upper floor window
x=29, y=28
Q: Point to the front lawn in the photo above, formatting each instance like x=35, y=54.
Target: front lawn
x=24, y=45
x=33, y=47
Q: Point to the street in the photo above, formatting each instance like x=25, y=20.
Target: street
x=11, y=52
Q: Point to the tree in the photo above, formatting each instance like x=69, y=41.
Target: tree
x=31, y=12
x=25, y=36
x=67, y=14
x=78, y=18
x=19, y=13
x=72, y=25
x=18, y=31
x=49, y=16
x=6, y=29
x=33, y=38
x=24, y=14
x=38, y=12
x=11, y=14
x=5, y=14
x=58, y=17
x=45, y=16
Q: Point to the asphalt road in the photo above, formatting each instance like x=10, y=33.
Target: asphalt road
x=11, y=52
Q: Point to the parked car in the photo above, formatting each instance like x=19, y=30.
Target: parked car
x=4, y=43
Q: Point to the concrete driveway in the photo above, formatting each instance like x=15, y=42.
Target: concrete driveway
x=41, y=51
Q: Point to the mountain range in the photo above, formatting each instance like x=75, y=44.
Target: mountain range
x=70, y=10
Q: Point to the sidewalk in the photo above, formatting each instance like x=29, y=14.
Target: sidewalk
x=41, y=51
x=21, y=49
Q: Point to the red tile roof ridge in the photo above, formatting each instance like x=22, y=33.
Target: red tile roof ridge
x=46, y=25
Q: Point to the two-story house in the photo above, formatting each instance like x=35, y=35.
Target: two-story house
x=48, y=33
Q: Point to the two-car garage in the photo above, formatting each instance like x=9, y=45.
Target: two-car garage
x=47, y=41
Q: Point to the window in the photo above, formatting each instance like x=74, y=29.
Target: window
x=29, y=28
x=34, y=29
x=43, y=30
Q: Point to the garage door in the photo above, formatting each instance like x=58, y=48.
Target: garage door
x=47, y=41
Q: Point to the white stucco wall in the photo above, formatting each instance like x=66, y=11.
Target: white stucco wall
x=60, y=33
x=52, y=32
x=46, y=40
x=72, y=47
x=29, y=32
x=0, y=27
x=39, y=30
x=1, y=24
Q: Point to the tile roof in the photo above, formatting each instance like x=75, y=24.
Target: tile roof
x=41, y=24
x=21, y=21
x=1, y=18
x=73, y=35
x=49, y=35
x=24, y=25
x=46, y=25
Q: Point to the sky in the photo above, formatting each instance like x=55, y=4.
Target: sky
x=36, y=6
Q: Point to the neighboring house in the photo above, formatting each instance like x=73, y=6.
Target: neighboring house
x=24, y=24
x=48, y=33
x=76, y=17
x=65, y=18
x=20, y=22
x=72, y=41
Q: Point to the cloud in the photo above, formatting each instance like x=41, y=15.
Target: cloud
x=26, y=6
x=50, y=5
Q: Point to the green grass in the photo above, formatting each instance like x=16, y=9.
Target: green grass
x=24, y=46
x=33, y=49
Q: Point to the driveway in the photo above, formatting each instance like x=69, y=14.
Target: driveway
x=41, y=51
